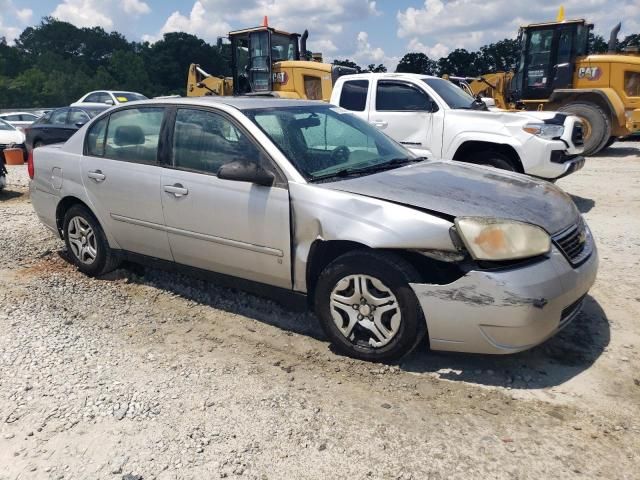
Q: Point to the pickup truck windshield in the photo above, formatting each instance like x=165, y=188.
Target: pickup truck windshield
x=325, y=142
x=453, y=96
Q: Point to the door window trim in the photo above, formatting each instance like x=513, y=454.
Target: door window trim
x=280, y=178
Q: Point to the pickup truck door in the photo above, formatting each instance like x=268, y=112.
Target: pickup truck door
x=231, y=227
x=405, y=112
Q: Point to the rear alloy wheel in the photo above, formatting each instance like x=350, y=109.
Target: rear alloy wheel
x=86, y=242
x=597, y=126
x=367, y=308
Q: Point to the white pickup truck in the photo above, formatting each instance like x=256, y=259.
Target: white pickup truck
x=431, y=115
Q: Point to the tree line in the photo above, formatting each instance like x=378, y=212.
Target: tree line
x=495, y=57
x=55, y=63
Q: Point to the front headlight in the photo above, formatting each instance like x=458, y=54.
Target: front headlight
x=544, y=130
x=498, y=239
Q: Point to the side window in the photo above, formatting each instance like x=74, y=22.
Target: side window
x=133, y=135
x=400, y=97
x=93, y=98
x=59, y=117
x=77, y=116
x=632, y=84
x=12, y=118
x=96, y=138
x=204, y=141
x=354, y=95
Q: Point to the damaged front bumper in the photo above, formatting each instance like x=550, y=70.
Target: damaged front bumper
x=506, y=311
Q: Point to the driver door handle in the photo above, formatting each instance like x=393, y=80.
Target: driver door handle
x=96, y=175
x=379, y=123
x=176, y=189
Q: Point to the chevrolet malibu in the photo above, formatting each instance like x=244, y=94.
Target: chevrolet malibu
x=302, y=198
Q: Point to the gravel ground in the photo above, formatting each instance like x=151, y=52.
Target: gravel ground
x=145, y=374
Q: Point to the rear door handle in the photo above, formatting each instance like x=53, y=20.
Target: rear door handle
x=379, y=123
x=97, y=175
x=176, y=189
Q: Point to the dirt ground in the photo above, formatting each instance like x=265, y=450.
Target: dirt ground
x=146, y=374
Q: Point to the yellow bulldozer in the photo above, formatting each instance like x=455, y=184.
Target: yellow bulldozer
x=556, y=72
x=266, y=61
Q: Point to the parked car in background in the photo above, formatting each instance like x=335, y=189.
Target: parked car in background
x=108, y=97
x=430, y=114
x=19, y=119
x=303, y=199
x=10, y=136
x=57, y=126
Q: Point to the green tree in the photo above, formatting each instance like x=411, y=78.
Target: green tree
x=460, y=62
x=380, y=68
x=417, y=63
x=597, y=44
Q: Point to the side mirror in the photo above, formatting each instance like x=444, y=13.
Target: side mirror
x=109, y=102
x=246, y=171
x=80, y=124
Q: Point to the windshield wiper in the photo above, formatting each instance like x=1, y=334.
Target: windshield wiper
x=388, y=165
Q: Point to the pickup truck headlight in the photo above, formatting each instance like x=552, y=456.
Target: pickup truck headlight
x=498, y=239
x=543, y=130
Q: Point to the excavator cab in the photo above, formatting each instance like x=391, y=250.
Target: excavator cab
x=548, y=57
x=253, y=53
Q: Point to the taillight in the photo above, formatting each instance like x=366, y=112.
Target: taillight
x=30, y=167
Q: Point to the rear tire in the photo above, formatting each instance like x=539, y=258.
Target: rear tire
x=86, y=242
x=367, y=308
x=597, y=125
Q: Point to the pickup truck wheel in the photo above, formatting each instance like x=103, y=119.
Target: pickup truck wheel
x=367, y=308
x=597, y=125
x=86, y=242
x=492, y=158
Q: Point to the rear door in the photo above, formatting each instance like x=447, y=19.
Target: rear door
x=354, y=96
x=121, y=174
x=405, y=112
x=231, y=227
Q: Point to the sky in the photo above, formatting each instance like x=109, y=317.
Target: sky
x=364, y=31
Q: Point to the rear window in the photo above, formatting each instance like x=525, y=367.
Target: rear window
x=123, y=97
x=354, y=95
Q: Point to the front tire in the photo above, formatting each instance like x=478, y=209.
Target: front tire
x=367, y=308
x=86, y=242
x=491, y=158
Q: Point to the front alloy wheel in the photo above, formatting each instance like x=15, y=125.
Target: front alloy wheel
x=366, y=306
x=365, y=310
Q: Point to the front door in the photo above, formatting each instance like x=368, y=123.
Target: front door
x=230, y=227
x=404, y=112
x=121, y=175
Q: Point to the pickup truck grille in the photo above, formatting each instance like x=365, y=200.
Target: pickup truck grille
x=577, y=134
x=575, y=243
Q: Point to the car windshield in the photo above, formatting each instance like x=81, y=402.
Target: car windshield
x=453, y=96
x=123, y=97
x=325, y=142
x=5, y=126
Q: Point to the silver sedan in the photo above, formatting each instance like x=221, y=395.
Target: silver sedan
x=301, y=198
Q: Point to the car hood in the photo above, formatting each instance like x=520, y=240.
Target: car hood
x=458, y=189
x=509, y=117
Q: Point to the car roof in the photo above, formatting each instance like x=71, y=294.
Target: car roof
x=17, y=113
x=390, y=75
x=248, y=102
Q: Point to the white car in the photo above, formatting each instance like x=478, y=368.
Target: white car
x=10, y=136
x=19, y=119
x=435, y=118
x=108, y=97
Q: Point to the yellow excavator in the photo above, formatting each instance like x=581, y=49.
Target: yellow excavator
x=266, y=61
x=556, y=72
